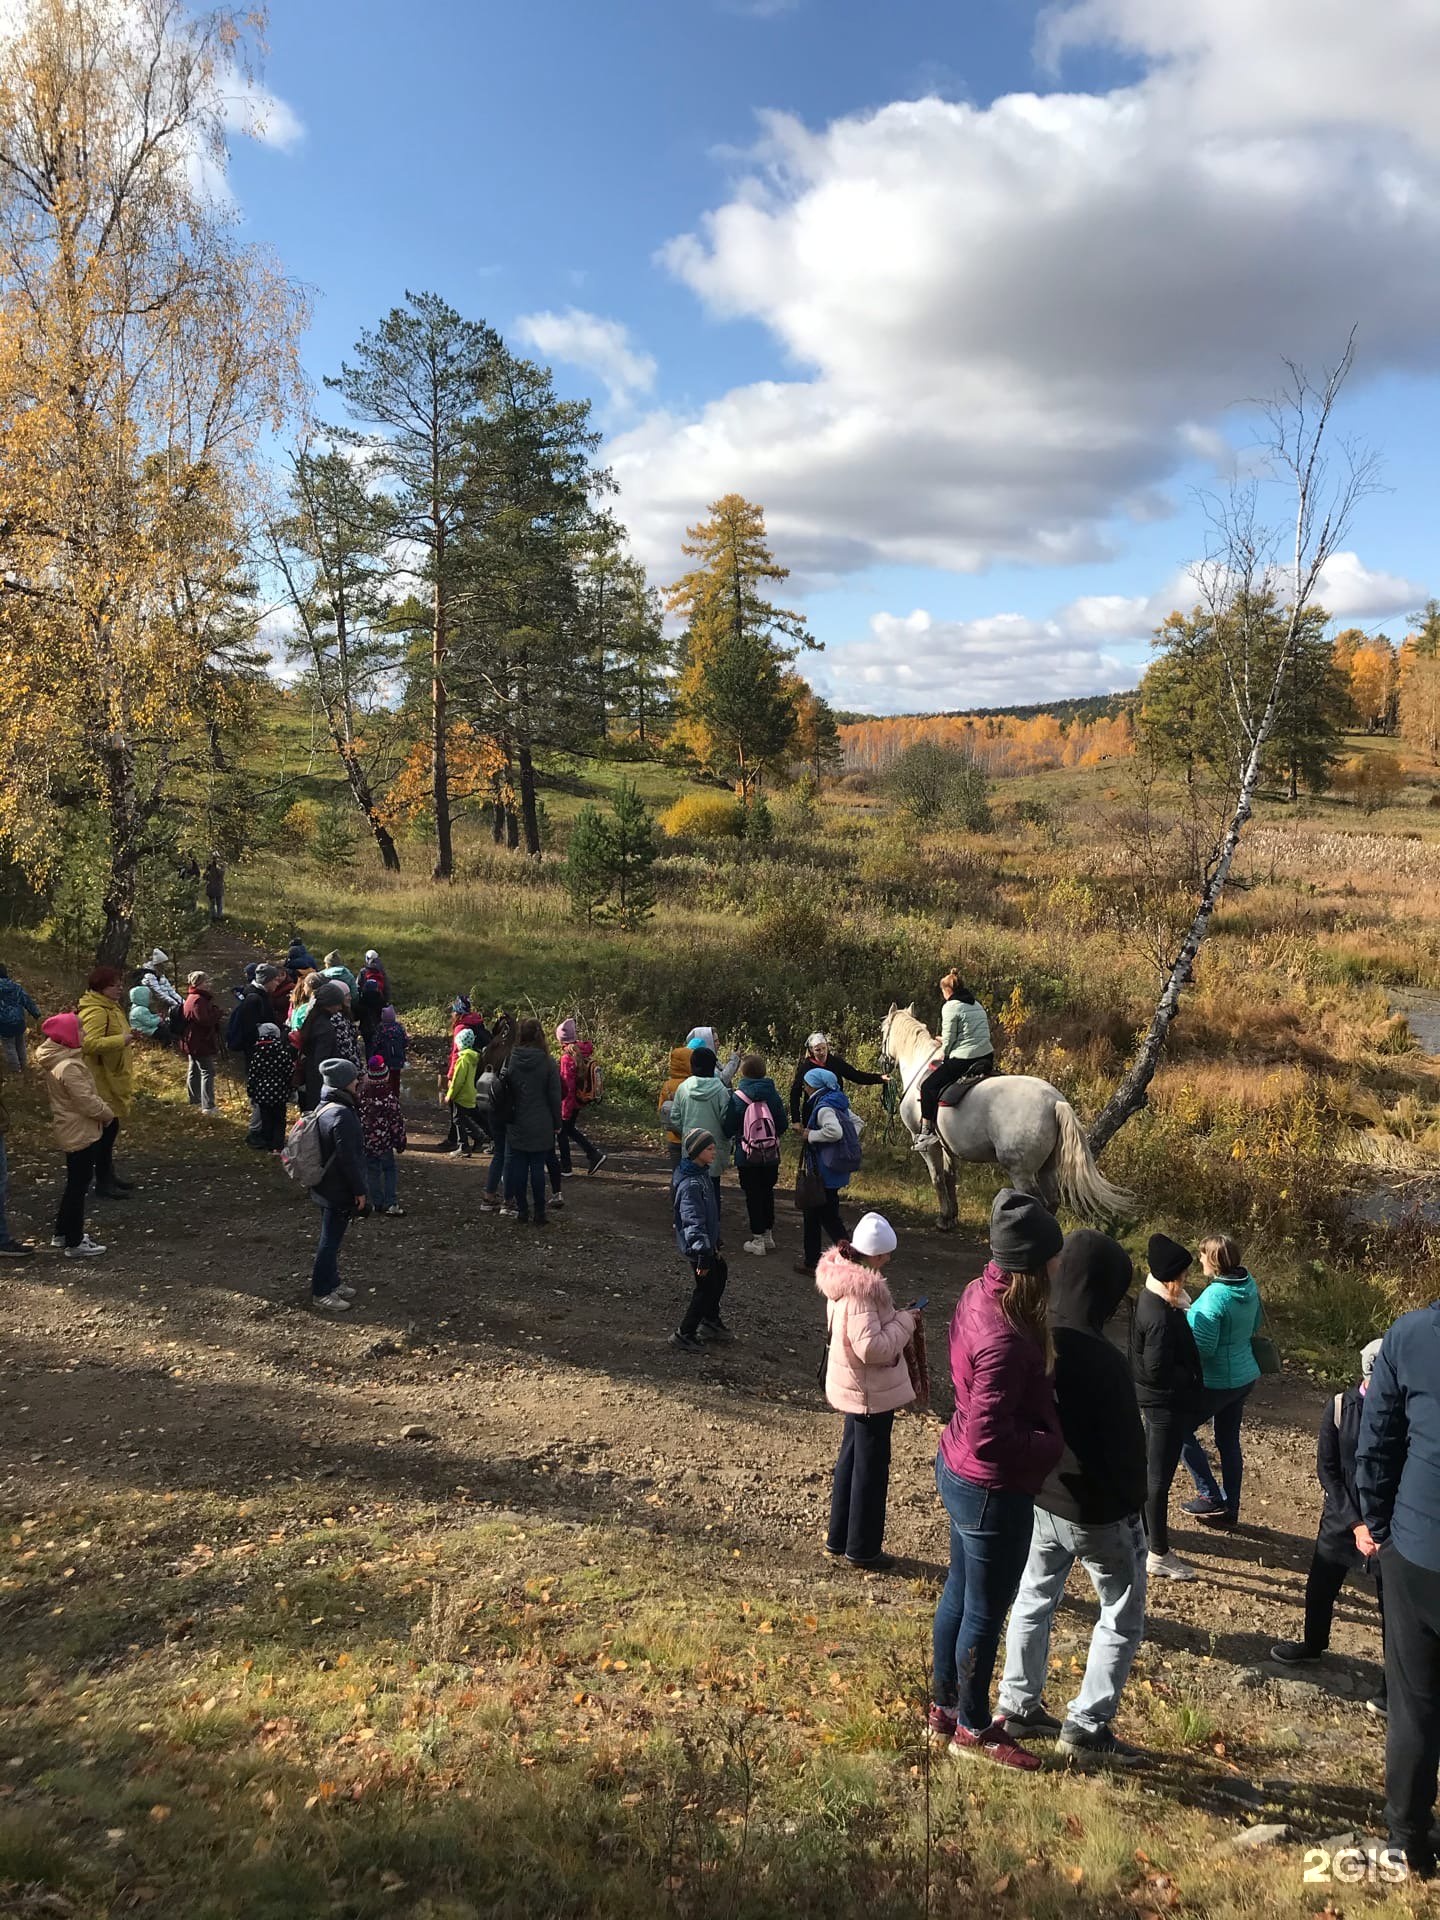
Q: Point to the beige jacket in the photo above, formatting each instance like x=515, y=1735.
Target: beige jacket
x=80, y=1115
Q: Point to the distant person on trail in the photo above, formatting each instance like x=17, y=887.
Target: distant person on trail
x=966, y=1052
x=1090, y=1509
x=579, y=1087
x=1170, y=1387
x=270, y=1082
x=818, y=1053
x=529, y=1091
x=757, y=1149
x=109, y=1053
x=383, y=1125
x=215, y=887
x=464, y=1120
x=996, y=1454
x=392, y=1043
x=1224, y=1320
x=200, y=1043
x=341, y=1194
x=15, y=1006
x=1345, y=1544
x=1397, y=1476
x=831, y=1155
x=866, y=1379
x=695, y=1210
x=681, y=1062
x=703, y=1100
x=82, y=1119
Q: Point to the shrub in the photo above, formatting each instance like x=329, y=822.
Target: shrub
x=703, y=816
x=1371, y=779
x=939, y=783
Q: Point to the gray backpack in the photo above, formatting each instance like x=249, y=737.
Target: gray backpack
x=303, y=1154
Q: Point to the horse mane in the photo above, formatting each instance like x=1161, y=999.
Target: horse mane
x=904, y=1025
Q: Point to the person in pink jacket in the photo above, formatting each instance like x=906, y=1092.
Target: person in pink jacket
x=995, y=1456
x=867, y=1380
x=578, y=1087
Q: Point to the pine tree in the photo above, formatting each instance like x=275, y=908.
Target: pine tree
x=817, y=733
x=631, y=860
x=589, y=862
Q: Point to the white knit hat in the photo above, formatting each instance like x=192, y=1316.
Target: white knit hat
x=371, y=957
x=159, y=958
x=1368, y=1356
x=874, y=1235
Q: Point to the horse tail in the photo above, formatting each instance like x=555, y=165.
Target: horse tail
x=1083, y=1187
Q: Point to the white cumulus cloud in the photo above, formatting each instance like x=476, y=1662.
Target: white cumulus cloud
x=595, y=345
x=1349, y=590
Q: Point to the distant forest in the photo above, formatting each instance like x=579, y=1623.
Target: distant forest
x=1094, y=706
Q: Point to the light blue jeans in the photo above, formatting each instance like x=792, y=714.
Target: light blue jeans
x=1114, y=1558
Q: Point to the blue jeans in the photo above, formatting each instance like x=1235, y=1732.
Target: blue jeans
x=1114, y=1558
x=989, y=1541
x=521, y=1170
x=1226, y=1407
x=325, y=1276
x=494, y=1179
x=381, y=1177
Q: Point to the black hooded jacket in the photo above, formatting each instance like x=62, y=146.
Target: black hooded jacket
x=1101, y=1474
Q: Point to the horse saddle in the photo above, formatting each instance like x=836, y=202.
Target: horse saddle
x=957, y=1090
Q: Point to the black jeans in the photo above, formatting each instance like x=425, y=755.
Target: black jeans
x=705, y=1300
x=525, y=1171
x=946, y=1075
x=267, y=1127
x=860, y=1487
x=1165, y=1434
x=827, y=1217
x=1322, y=1590
x=79, y=1172
x=105, y=1156
x=570, y=1134
x=469, y=1130
x=757, y=1183
x=1412, y=1682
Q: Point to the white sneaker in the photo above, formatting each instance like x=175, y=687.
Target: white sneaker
x=57, y=1240
x=555, y=1200
x=757, y=1245
x=926, y=1139
x=769, y=1242
x=332, y=1302
x=1169, y=1566
x=88, y=1249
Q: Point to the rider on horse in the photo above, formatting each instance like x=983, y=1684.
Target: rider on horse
x=966, y=1052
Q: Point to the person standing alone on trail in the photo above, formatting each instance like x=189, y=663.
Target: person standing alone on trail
x=215, y=887
x=341, y=1193
x=1397, y=1476
x=200, y=1043
x=966, y=1053
x=1344, y=1544
x=996, y=1454
x=1090, y=1509
x=530, y=1084
x=82, y=1119
x=819, y=1053
x=866, y=1379
x=1170, y=1386
x=757, y=1149
x=695, y=1208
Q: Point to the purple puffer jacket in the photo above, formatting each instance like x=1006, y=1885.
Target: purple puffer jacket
x=1006, y=1430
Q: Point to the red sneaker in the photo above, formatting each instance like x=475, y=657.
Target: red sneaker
x=941, y=1724
x=996, y=1745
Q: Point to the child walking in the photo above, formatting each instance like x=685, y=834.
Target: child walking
x=579, y=1086
x=461, y=1093
x=383, y=1127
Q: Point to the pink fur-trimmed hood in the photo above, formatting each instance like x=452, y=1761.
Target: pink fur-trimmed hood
x=840, y=1278
x=865, y=1369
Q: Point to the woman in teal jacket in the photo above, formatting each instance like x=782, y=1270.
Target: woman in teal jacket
x=1224, y=1321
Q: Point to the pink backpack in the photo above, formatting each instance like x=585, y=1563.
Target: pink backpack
x=758, y=1138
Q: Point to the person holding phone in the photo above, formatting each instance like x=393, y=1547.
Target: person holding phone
x=867, y=1380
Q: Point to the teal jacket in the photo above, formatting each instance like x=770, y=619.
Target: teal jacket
x=965, y=1030
x=1224, y=1320
x=710, y=1104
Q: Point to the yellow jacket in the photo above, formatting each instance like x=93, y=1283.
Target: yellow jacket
x=461, y=1091
x=680, y=1069
x=107, y=1051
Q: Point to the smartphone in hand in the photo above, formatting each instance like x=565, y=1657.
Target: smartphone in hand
x=919, y=1306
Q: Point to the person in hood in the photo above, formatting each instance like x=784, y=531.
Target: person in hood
x=681, y=1061
x=200, y=1043
x=1001, y=1446
x=342, y=1193
x=532, y=1096
x=1224, y=1321
x=372, y=996
x=695, y=1212
x=1345, y=1544
x=703, y=1100
x=464, y=1119
x=143, y=1018
x=707, y=1037
x=819, y=1053
x=81, y=1118
x=299, y=959
x=334, y=968
x=158, y=981
x=578, y=1084
x=1089, y=1509
x=866, y=1379
x=383, y=1125
x=269, y=1081
x=109, y=1053
x=826, y=1118
x=15, y=1006
x=1170, y=1386
x=392, y=1043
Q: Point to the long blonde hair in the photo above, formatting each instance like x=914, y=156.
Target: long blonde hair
x=1025, y=1304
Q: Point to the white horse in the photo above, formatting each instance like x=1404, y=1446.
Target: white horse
x=1025, y=1125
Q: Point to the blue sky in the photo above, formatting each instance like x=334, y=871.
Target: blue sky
x=965, y=293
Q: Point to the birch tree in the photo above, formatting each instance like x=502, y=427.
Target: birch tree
x=1250, y=565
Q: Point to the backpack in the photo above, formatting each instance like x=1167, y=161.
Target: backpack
x=371, y=988
x=390, y=1045
x=759, y=1141
x=303, y=1154
x=842, y=1156
x=587, y=1082
x=235, y=1028
x=502, y=1100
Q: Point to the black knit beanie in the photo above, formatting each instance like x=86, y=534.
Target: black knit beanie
x=1024, y=1234
x=1167, y=1258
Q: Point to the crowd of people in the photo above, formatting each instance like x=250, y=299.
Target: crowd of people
x=1064, y=1443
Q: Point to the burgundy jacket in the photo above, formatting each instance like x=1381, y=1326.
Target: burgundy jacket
x=1005, y=1432
x=201, y=1038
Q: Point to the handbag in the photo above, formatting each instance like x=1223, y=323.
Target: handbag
x=809, y=1187
x=1267, y=1354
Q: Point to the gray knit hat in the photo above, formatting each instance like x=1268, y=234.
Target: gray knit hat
x=696, y=1141
x=1024, y=1234
x=1369, y=1354
x=329, y=996
x=338, y=1073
